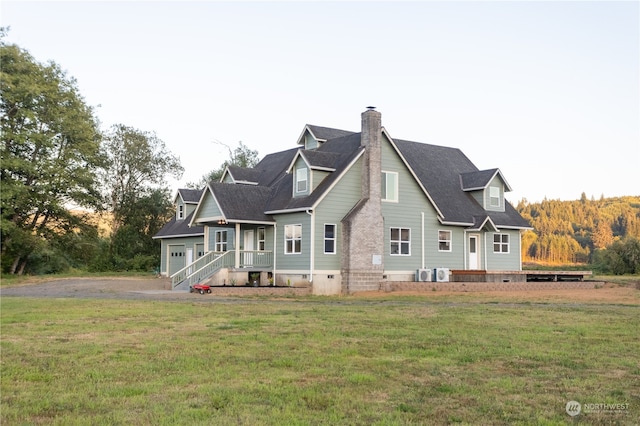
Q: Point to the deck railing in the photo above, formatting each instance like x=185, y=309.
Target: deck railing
x=207, y=265
x=256, y=259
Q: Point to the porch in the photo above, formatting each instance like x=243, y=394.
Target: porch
x=235, y=262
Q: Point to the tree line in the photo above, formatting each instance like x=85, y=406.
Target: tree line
x=603, y=233
x=63, y=179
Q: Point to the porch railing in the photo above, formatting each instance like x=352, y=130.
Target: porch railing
x=256, y=259
x=207, y=265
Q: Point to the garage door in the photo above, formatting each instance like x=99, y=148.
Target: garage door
x=176, y=258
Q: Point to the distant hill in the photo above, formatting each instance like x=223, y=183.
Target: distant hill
x=569, y=231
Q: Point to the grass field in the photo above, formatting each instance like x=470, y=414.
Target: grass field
x=409, y=360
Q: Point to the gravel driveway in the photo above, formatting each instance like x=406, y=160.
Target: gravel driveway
x=103, y=288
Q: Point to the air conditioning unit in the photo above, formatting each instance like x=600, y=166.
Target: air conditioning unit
x=423, y=275
x=441, y=275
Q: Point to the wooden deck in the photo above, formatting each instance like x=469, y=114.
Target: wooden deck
x=517, y=276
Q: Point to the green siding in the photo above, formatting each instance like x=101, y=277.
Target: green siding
x=293, y=261
x=503, y=261
x=333, y=208
x=209, y=207
x=310, y=142
x=496, y=182
x=406, y=213
x=231, y=237
x=187, y=242
x=317, y=176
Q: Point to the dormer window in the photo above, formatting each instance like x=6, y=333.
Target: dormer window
x=181, y=212
x=494, y=196
x=302, y=180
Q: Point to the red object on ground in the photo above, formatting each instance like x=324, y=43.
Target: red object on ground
x=200, y=288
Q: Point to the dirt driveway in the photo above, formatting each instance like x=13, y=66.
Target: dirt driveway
x=100, y=288
x=157, y=289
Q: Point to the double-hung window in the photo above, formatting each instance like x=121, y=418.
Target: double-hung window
x=400, y=242
x=329, y=238
x=180, y=212
x=389, y=186
x=292, y=239
x=501, y=243
x=444, y=240
x=494, y=196
x=302, y=179
x=221, y=241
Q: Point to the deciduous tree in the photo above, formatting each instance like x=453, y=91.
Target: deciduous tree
x=50, y=154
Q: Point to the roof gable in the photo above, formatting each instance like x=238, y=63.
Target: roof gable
x=188, y=196
x=321, y=134
x=242, y=175
x=478, y=180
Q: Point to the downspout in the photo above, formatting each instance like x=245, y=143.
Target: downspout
x=275, y=252
x=422, y=239
x=484, y=243
x=465, y=254
x=311, y=244
x=237, y=247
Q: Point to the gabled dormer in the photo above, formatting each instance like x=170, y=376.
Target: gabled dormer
x=185, y=202
x=240, y=175
x=309, y=169
x=487, y=187
x=312, y=137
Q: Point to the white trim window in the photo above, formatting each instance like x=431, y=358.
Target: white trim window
x=501, y=243
x=302, y=180
x=181, y=212
x=261, y=238
x=400, y=242
x=329, y=238
x=494, y=196
x=221, y=241
x=292, y=239
x=389, y=187
x=444, y=240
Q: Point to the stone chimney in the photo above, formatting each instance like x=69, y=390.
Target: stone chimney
x=363, y=226
x=372, y=166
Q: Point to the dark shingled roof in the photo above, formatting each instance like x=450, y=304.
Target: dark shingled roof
x=342, y=151
x=179, y=228
x=439, y=169
x=477, y=180
x=245, y=174
x=242, y=202
x=273, y=166
x=325, y=160
x=190, y=195
x=444, y=172
x=327, y=133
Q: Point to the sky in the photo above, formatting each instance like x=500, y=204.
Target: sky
x=547, y=91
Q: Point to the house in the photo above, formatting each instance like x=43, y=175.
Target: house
x=346, y=211
x=181, y=244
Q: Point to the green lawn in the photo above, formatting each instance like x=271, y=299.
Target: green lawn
x=315, y=361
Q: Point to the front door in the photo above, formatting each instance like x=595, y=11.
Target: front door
x=474, y=252
x=248, y=248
